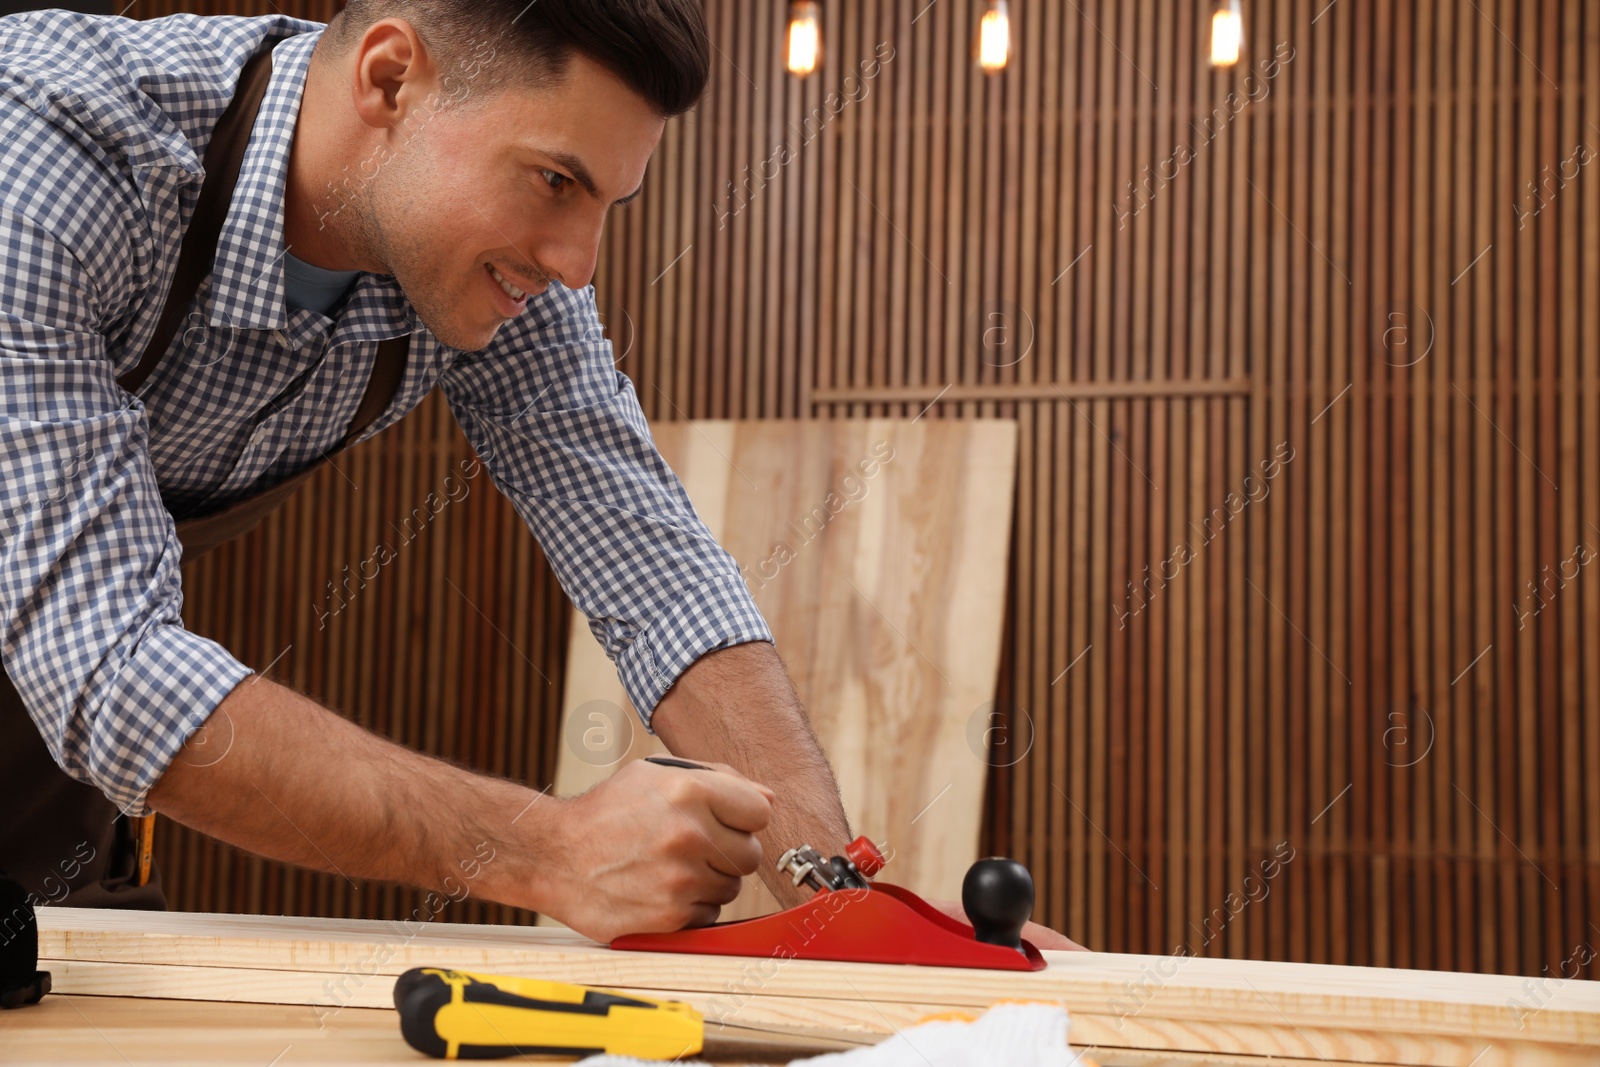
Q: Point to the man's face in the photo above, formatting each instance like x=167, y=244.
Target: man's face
x=517, y=180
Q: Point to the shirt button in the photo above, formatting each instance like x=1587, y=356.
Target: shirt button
x=283, y=338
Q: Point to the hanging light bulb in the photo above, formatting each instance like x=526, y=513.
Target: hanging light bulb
x=805, y=37
x=994, y=38
x=1227, y=33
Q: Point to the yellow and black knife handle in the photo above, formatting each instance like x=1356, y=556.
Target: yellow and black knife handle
x=457, y=1015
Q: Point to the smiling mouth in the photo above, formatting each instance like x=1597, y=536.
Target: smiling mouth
x=510, y=290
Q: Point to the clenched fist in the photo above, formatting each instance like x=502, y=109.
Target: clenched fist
x=655, y=848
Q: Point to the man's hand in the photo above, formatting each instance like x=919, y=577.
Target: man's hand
x=656, y=848
x=737, y=706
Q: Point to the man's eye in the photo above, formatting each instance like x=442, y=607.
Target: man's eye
x=555, y=178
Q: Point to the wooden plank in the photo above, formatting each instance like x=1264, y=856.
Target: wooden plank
x=1588, y=339
x=1558, y=740
x=1048, y=390
x=1313, y=477
x=1393, y=926
x=769, y=300
x=88, y=1030
x=1521, y=523
x=1437, y=464
x=94, y=1029
x=1224, y=1006
x=1048, y=855
x=798, y=241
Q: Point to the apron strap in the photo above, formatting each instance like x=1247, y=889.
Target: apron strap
x=223, y=159
x=224, y=156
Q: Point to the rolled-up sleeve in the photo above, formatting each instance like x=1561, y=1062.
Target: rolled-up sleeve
x=90, y=594
x=562, y=435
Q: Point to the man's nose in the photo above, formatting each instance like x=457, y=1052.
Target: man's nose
x=572, y=251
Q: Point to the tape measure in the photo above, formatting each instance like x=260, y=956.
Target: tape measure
x=457, y=1015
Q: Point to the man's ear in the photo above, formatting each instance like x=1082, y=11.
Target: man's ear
x=392, y=73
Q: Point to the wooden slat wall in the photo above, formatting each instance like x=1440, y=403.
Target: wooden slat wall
x=1336, y=269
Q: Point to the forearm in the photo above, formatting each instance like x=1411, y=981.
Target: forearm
x=275, y=773
x=737, y=706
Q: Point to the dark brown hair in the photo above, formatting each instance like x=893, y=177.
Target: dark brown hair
x=659, y=48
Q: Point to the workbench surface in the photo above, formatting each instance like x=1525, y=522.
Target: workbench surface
x=75, y=1029
x=182, y=988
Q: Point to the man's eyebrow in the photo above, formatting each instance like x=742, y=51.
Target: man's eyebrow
x=581, y=174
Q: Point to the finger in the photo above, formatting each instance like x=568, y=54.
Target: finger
x=703, y=914
x=736, y=802
x=719, y=889
x=720, y=805
x=700, y=835
x=731, y=852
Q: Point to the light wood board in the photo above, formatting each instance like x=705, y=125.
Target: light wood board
x=1194, y=1010
x=876, y=550
x=76, y=1029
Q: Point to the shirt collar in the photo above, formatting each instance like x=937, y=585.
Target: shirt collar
x=247, y=283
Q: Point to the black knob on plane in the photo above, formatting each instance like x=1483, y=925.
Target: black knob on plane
x=998, y=897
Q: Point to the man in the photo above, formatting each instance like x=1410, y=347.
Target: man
x=437, y=170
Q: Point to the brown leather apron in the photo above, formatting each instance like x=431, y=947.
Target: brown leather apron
x=59, y=838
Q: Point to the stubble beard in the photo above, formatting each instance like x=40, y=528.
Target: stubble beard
x=413, y=265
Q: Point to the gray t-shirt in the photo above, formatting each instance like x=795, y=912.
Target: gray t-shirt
x=312, y=287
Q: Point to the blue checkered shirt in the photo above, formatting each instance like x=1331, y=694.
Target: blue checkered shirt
x=104, y=122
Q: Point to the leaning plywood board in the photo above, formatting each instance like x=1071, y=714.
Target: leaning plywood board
x=876, y=550
x=1197, y=1010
